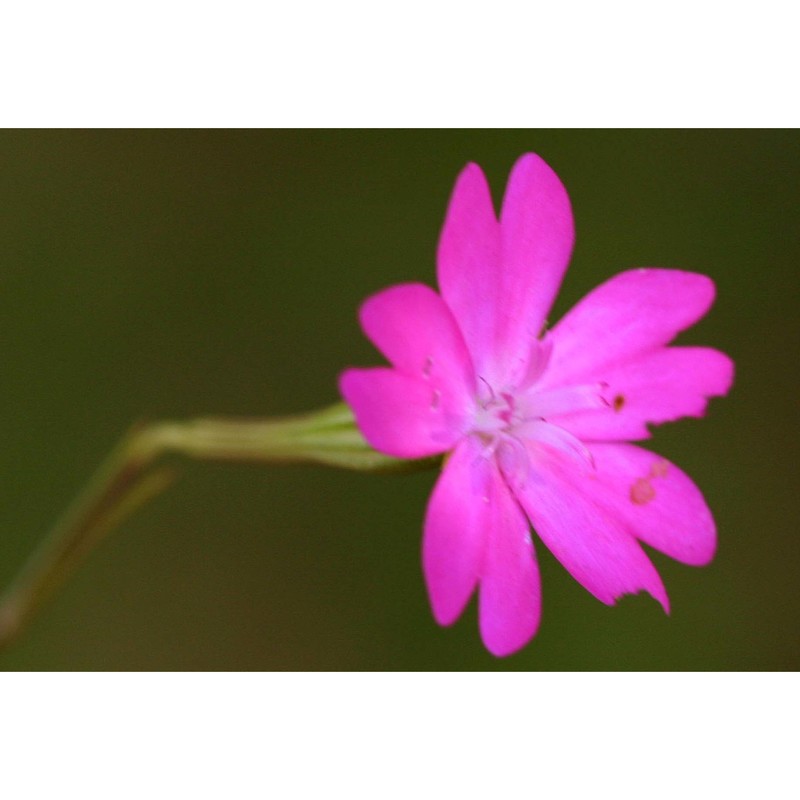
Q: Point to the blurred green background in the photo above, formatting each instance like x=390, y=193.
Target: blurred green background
x=150, y=274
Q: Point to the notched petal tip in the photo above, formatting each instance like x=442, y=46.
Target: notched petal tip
x=671, y=517
x=528, y=167
x=702, y=558
x=393, y=308
x=537, y=234
x=534, y=188
x=415, y=331
x=727, y=374
x=657, y=593
x=345, y=382
x=472, y=172
x=468, y=259
x=697, y=290
x=504, y=649
x=470, y=210
x=625, y=317
x=454, y=533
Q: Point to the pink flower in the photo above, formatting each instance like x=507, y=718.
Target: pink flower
x=535, y=423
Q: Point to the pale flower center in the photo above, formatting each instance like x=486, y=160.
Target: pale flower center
x=495, y=416
x=515, y=423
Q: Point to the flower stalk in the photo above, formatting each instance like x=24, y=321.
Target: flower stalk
x=133, y=475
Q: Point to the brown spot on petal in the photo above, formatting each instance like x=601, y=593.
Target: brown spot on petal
x=659, y=468
x=619, y=403
x=642, y=491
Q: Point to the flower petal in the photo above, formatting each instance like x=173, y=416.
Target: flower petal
x=594, y=546
x=474, y=530
x=500, y=280
x=468, y=262
x=400, y=415
x=657, y=502
x=626, y=316
x=454, y=533
x=411, y=325
x=509, y=602
x=663, y=385
x=537, y=233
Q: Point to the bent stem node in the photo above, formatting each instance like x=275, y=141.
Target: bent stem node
x=129, y=478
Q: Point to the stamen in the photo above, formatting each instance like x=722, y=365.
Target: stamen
x=567, y=400
x=507, y=413
x=555, y=438
x=489, y=387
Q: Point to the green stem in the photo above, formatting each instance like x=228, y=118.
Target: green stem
x=129, y=478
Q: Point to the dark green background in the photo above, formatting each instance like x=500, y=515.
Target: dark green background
x=172, y=274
